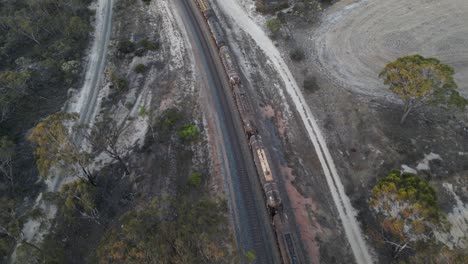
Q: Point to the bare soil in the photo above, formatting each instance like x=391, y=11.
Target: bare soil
x=356, y=38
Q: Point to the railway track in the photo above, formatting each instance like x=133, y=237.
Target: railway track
x=253, y=223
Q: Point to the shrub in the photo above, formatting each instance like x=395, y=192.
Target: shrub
x=169, y=118
x=274, y=25
x=264, y=8
x=250, y=256
x=142, y=111
x=189, y=133
x=310, y=84
x=148, y=45
x=140, y=68
x=121, y=84
x=195, y=179
x=129, y=105
x=147, y=2
x=126, y=46
x=296, y=54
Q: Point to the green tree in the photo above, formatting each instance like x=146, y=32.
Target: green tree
x=407, y=210
x=417, y=81
x=189, y=133
x=55, y=146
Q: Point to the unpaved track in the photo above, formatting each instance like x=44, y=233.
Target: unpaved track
x=356, y=40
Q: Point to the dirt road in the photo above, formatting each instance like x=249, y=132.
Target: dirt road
x=356, y=40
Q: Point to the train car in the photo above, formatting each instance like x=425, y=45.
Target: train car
x=216, y=31
x=267, y=178
x=228, y=63
x=286, y=239
x=245, y=110
x=205, y=8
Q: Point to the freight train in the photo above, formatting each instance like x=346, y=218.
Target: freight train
x=267, y=178
x=262, y=159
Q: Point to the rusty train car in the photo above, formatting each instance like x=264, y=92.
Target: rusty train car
x=245, y=109
x=228, y=64
x=267, y=178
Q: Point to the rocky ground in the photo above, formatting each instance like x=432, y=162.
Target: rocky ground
x=361, y=128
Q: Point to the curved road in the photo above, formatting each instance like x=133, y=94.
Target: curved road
x=251, y=222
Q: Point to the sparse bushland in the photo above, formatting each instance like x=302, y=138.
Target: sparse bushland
x=422, y=81
x=307, y=11
x=169, y=230
x=407, y=210
x=118, y=82
x=41, y=49
x=126, y=46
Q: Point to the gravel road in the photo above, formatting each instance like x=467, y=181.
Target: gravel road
x=356, y=40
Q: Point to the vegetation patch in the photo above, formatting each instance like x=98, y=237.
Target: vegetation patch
x=148, y=45
x=140, y=68
x=126, y=46
x=408, y=213
x=189, y=133
x=418, y=81
x=262, y=7
x=273, y=25
x=296, y=54
x=169, y=230
x=195, y=180
x=310, y=84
